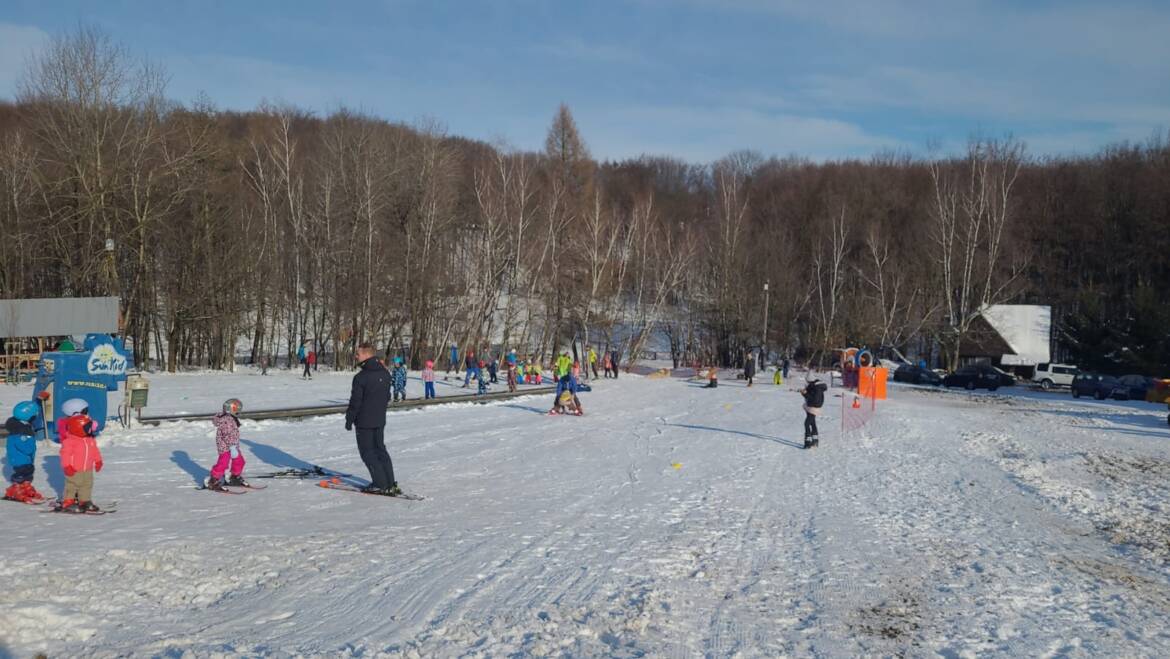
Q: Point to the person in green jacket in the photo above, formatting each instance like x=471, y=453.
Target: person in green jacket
x=564, y=365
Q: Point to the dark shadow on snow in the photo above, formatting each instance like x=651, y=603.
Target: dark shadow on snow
x=283, y=460
x=51, y=464
x=526, y=408
x=778, y=440
x=183, y=460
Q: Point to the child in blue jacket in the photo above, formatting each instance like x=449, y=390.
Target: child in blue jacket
x=22, y=453
x=398, y=379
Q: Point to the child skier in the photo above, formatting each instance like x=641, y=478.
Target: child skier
x=80, y=458
x=428, y=378
x=567, y=403
x=398, y=379
x=481, y=380
x=712, y=378
x=22, y=453
x=227, y=443
x=814, y=400
x=511, y=365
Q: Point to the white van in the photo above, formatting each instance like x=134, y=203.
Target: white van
x=1054, y=375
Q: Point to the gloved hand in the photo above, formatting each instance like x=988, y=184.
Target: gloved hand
x=97, y=465
x=348, y=425
x=69, y=471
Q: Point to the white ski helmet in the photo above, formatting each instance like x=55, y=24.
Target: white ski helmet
x=74, y=406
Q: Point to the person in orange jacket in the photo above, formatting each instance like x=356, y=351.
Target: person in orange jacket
x=80, y=458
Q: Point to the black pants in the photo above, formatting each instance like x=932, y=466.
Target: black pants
x=810, y=425
x=372, y=448
x=307, y=373
x=23, y=473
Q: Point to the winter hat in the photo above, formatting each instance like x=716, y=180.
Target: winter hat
x=25, y=410
x=397, y=360
x=430, y=363
x=810, y=378
x=74, y=406
x=233, y=406
x=566, y=398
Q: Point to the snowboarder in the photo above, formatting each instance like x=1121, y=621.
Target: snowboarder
x=227, y=445
x=428, y=378
x=749, y=369
x=22, y=453
x=80, y=458
x=398, y=377
x=814, y=400
x=368, y=398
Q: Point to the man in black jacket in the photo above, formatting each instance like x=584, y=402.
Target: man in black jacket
x=367, y=412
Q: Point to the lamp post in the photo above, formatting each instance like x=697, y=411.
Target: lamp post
x=764, y=337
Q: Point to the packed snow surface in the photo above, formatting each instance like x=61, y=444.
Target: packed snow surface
x=669, y=521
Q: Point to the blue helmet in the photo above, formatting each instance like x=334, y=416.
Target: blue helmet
x=26, y=411
x=397, y=360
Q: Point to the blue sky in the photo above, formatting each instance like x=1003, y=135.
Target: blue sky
x=695, y=79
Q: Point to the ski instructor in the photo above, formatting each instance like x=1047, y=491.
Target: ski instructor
x=367, y=412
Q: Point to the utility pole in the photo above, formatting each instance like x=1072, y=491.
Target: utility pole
x=764, y=337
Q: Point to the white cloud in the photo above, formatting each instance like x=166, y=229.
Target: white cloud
x=17, y=44
x=705, y=134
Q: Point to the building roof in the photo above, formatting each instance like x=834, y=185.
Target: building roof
x=65, y=316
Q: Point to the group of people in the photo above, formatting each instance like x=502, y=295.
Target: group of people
x=80, y=456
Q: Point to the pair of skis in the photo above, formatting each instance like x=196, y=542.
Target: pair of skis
x=335, y=483
x=232, y=489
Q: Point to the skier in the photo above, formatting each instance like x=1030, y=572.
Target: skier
x=454, y=359
x=608, y=363
x=481, y=379
x=398, y=377
x=303, y=358
x=367, y=412
x=311, y=358
x=428, y=378
x=712, y=378
x=749, y=369
x=22, y=453
x=511, y=376
x=563, y=364
x=227, y=445
x=785, y=365
x=80, y=458
x=567, y=403
x=615, y=363
x=777, y=377
x=814, y=400
x=493, y=368
x=470, y=368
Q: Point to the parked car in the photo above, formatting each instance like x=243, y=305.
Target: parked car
x=1054, y=375
x=1136, y=386
x=979, y=376
x=916, y=375
x=1005, y=379
x=1098, y=386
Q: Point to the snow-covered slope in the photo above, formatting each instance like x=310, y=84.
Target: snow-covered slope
x=669, y=521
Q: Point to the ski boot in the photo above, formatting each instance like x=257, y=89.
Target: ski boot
x=214, y=483
x=371, y=489
x=30, y=493
x=808, y=441
x=237, y=481
x=89, y=507
x=392, y=491
x=816, y=441
x=15, y=492
x=70, y=506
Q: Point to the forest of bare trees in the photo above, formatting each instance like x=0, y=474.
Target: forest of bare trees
x=235, y=235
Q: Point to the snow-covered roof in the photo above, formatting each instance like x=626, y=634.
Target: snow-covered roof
x=1027, y=328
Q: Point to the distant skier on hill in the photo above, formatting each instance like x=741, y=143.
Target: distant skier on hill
x=814, y=400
